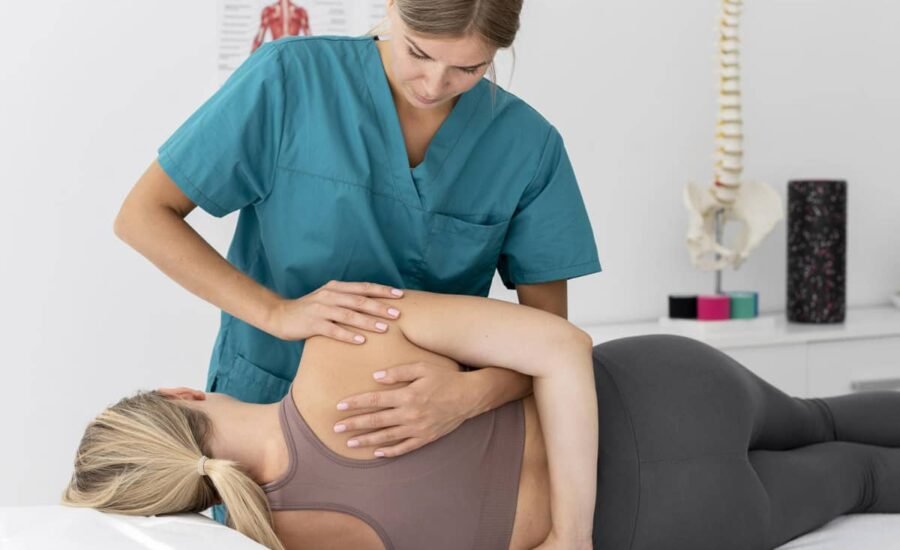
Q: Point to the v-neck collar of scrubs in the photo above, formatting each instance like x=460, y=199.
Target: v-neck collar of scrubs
x=406, y=180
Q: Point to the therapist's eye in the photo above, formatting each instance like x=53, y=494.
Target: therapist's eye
x=467, y=70
x=413, y=53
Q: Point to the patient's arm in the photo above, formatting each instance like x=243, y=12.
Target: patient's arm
x=486, y=332
x=497, y=386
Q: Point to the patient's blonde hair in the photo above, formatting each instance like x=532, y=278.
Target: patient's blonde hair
x=139, y=457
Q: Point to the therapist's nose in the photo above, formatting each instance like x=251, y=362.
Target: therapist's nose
x=436, y=83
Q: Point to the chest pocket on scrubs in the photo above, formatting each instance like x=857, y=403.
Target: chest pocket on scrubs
x=461, y=255
x=246, y=381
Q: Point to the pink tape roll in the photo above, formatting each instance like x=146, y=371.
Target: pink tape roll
x=713, y=307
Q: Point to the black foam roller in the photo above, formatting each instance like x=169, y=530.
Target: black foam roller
x=816, y=251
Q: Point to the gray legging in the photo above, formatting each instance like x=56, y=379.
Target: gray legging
x=697, y=452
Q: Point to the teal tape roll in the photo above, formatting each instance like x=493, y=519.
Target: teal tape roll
x=744, y=304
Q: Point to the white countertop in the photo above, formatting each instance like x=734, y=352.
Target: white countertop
x=767, y=330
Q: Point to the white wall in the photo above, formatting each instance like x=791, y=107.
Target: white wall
x=89, y=90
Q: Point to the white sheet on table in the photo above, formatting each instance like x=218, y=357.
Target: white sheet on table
x=66, y=528
x=852, y=532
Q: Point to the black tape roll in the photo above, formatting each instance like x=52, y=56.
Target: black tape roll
x=682, y=306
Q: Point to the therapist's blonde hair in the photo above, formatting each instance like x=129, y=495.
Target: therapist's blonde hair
x=497, y=21
x=139, y=457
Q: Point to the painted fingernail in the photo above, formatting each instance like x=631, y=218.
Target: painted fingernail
x=381, y=326
x=343, y=406
x=379, y=454
x=353, y=443
x=396, y=292
x=378, y=375
x=340, y=428
x=393, y=312
x=359, y=338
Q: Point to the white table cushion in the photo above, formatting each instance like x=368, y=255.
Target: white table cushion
x=61, y=527
x=65, y=528
x=852, y=532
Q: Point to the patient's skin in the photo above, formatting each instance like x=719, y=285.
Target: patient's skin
x=329, y=371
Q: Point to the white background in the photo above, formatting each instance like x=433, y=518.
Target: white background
x=89, y=90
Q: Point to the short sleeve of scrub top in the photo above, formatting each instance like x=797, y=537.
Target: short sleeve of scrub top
x=223, y=156
x=549, y=237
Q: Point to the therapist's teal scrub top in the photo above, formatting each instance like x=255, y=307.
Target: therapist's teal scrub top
x=304, y=140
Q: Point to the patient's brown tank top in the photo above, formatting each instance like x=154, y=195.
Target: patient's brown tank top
x=456, y=493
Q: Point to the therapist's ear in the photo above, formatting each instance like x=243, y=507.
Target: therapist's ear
x=183, y=393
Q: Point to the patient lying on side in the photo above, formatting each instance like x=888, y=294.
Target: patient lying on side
x=144, y=455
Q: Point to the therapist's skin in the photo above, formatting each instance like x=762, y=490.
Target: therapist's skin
x=426, y=76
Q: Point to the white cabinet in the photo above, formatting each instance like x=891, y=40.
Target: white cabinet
x=853, y=365
x=803, y=360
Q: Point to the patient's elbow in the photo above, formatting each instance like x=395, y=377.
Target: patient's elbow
x=570, y=337
x=576, y=336
x=586, y=339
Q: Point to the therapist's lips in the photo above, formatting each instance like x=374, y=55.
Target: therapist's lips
x=423, y=100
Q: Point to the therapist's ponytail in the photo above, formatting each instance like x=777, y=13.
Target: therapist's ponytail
x=142, y=457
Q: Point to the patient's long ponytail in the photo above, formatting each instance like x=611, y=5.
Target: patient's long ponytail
x=140, y=457
x=248, y=509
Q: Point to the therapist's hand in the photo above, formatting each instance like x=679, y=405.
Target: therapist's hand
x=434, y=404
x=320, y=311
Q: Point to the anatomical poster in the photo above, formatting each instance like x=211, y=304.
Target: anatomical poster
x=244, y=25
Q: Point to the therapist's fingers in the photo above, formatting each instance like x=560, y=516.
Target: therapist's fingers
x=365, y=288
x=371, y=421
x=374, y=400
x=362, y=304
x=381, y=437
x=353, y=319
x=337, y=332
x=405, y=446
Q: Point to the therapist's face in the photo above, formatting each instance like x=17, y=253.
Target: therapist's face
x=430, y=71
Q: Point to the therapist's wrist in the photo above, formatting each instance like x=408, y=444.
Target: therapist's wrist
x=491, y=387
x=270, y=311
x=473, y=394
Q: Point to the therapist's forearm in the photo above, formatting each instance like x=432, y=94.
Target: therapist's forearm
x=171, y=244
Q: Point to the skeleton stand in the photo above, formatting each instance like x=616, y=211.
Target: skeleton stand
x=719, y=213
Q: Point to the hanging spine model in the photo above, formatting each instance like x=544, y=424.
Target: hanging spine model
x=729, y=125
x=755, y=205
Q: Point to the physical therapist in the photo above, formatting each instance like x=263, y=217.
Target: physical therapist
x=361, y=167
